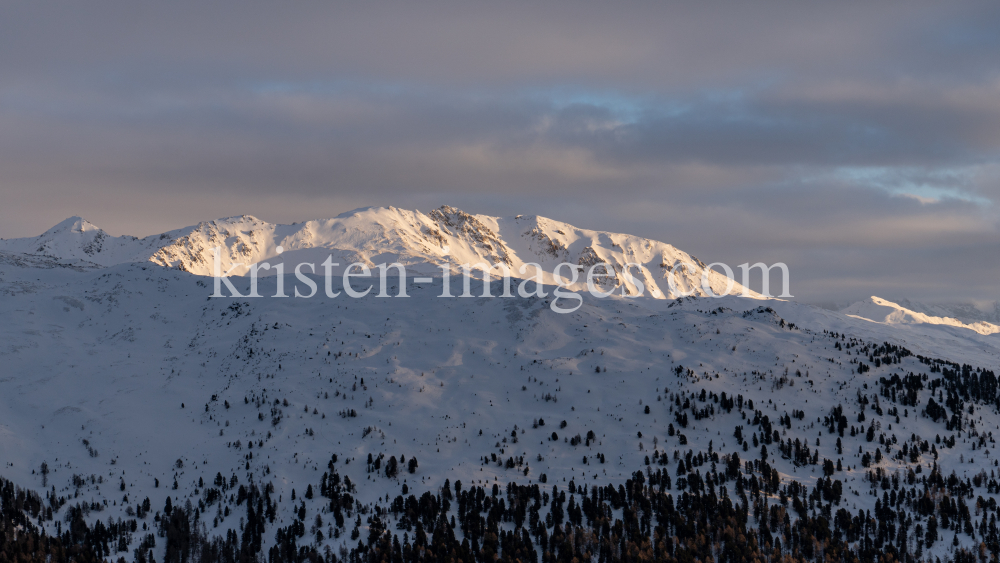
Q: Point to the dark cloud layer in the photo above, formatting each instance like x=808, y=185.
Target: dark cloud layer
x=856, y=142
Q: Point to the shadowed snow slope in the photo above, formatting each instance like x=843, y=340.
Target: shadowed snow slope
x=132, y=375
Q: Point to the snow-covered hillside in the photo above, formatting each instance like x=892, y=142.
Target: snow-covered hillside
x=423, y=428
x=422, y=242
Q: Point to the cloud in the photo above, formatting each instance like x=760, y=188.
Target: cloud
x=842, y=139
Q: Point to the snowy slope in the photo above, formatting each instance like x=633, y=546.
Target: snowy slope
x=422, y=242
x=131, y=374
x=129, y=382
x=882, y=311
x=968, y=312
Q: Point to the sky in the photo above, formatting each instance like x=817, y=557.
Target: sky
x=857, y=142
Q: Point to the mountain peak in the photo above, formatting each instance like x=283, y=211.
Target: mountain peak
x=74, y=224
x=245, y=218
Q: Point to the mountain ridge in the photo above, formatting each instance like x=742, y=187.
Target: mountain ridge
x=443, y=237
x=883, y=311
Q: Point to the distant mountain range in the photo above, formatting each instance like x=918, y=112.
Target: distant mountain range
x=424, y=242
x=421, y=242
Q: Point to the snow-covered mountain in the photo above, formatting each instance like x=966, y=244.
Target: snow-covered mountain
x=153, y=419
x=421, y=242
x=77, y=239
x=967, y=312
x=882, y=311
